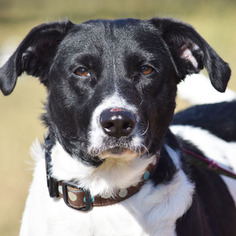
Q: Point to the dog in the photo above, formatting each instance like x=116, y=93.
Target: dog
x=115, y=161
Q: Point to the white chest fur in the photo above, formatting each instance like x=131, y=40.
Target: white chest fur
x=152, y=211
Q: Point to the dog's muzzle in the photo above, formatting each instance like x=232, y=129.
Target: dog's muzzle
x=115, y=134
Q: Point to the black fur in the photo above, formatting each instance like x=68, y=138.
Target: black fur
x=218, y=118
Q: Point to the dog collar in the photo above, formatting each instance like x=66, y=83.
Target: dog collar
x=80, y=198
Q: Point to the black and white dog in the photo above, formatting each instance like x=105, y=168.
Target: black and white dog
x=109, y=151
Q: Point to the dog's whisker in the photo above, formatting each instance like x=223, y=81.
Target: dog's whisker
x=145, y=148
x=142, y=134
x=140, y=104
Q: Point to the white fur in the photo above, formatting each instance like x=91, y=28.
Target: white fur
x=152, y=211
x=213, y=147
x=231, y=184
x=113, y=174
x=197, y=89
x=174, y=155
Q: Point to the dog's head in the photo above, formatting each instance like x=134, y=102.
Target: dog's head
x=112, y=84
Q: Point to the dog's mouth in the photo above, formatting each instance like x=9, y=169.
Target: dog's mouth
x=121, y=149
x=115, y=151
x=119, y=152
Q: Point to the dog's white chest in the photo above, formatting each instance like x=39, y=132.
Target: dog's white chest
x=152, y=211
x=117, y=220
x=104, y=221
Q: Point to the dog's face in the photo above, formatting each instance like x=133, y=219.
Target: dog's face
x=104, y=89
x=112, y=84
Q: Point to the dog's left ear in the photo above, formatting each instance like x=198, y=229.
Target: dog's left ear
x=34, y=54
x=191, y=53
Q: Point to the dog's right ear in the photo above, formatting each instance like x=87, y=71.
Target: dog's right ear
x=34, y=54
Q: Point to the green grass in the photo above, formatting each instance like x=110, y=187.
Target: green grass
x=19, y=113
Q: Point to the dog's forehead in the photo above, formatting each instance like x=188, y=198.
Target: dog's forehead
x=111, y=33
x=116, y=28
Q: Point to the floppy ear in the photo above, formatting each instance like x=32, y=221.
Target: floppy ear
x=34, y=54
x=191, y=53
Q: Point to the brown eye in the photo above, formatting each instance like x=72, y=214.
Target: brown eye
x=82, y=72
x=146, y=70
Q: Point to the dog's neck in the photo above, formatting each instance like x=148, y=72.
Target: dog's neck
x=104, y=180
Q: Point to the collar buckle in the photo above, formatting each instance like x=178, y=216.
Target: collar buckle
x=52, y=186
x=76, y=198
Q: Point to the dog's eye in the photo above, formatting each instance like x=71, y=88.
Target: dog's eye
x=146, y=70
x=82, y=72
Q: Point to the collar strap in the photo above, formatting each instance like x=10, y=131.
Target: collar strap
x=80, y=198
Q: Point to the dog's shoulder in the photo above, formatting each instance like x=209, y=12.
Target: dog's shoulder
x=211, y=189
x=202, y=129
x=217, y=118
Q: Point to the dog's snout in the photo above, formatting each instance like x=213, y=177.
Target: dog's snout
x=117, y=122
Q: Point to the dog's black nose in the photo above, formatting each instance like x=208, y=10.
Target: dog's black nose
x=117, y=122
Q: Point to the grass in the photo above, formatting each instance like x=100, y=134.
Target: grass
x=19, y=114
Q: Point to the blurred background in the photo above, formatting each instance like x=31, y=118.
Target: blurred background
x=215, y=20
